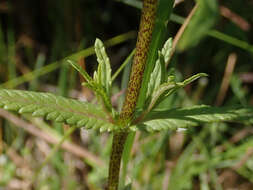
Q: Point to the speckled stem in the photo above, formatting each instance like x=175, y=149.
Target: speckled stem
x=134, y=85
x=139, y=61
x=114, y=167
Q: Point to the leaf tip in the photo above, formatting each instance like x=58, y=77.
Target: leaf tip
x=98, y=42
x=72, y=63
x=203, y=75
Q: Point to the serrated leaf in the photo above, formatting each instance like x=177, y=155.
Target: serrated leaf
x=56, y=108
x=193, y=116
x=166, y=89
x=99, y=90
x=103, y=75
x=94, y=85
x=28, y=109
x=11, y=106
x=166, y=50
x=158, y=75
x=164, y=11
x=155, y=78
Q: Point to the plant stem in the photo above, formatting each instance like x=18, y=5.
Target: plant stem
x=114, y=167
x=139, y=61
x=134, y=85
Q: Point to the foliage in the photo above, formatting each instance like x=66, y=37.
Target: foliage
x=194, y=116
x=84, y=114
x=56, y=108
x=204, y=157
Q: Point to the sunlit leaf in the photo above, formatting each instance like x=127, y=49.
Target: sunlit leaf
x=164, y=11
x=56, y=108
x=103, y=74
x=155, y=77
x=159, y=73
x=95, y=84
x=169, y=87
x=194, y=116
x=166, y=50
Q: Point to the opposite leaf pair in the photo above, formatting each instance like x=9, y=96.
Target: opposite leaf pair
x=101, y=83
x=84, y=114
x=160, y=85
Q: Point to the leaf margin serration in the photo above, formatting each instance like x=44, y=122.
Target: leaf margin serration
x=56, y=108
x=183, y=118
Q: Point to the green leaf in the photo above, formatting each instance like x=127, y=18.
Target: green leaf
x=192, y=78
x=56, y=108
x=81, y=71
x=164, y=11
x=167, y=48
x=159, y=73
x=168, y=88
x=200, y=24
x=194, y=116
x=99, y=90
x=156, y=76
x=94, y=85
x=103, y=74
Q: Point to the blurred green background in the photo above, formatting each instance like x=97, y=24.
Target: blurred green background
x=36, y=37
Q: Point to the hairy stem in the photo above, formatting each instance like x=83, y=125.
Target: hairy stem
x=134, y=85
x=119, y=140
x=142, y=47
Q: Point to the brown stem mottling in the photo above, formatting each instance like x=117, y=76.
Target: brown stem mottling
x=134, y=85
x=142, y=47
x=114, y=168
